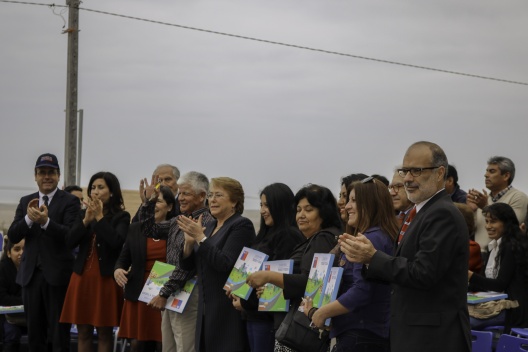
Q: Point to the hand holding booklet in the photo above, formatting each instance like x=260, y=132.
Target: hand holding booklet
x=319, y=271
x=159, y=275
x=249, y=262
x=331, y=288
x=272, y=298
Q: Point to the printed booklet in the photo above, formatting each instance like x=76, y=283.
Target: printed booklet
x=272, y=299
x=159, y=275
x=249, y=261
x=321, y=265
x=331, y=288
x=481, y=297
x=11, y=309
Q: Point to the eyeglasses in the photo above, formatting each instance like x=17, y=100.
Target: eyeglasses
x=215, y=195
x=415, y=171
x=396, y=188
x=44, y=173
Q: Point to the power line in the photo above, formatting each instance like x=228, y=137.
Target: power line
x=282, y=44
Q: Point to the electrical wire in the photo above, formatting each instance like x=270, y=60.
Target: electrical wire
x=282, y=44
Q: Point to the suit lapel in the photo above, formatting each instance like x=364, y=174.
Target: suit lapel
x=418, y=217
x=52, y=208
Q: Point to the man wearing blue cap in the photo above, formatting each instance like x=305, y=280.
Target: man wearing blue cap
x=43, y=219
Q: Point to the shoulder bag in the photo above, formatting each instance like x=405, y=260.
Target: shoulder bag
x=295, y=331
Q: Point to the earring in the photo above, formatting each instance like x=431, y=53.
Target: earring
x=111, y=194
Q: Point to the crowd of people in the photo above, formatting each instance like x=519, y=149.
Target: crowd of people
x=410, y=249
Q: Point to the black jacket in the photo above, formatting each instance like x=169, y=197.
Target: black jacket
x=10, y=291
x=110, y=234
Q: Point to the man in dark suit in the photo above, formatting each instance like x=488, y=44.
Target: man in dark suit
x=429, y=271
x=43, y=219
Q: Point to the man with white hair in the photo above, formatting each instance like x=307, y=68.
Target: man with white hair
x=177, y=329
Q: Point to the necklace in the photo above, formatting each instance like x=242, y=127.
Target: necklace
x=155, y=239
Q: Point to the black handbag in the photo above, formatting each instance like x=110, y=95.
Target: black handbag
x=295, y=332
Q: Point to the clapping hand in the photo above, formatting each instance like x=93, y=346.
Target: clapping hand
x=192, y=228
x=94, y=210
x=36, y=214
x=475, y=199
x=358, y=249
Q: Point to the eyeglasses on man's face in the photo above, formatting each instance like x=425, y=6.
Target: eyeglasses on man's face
x=396, y=187
x=415, y=171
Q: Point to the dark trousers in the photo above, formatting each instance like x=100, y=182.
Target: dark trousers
x=361, y=341
x=261, y=336
x=43, y=306
x=12, y=333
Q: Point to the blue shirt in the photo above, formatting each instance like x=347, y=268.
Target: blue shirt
x=368, y=301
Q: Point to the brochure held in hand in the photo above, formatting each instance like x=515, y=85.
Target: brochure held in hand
x=159, y=275
x=272, y=298
x=319, y=271
x=248, y=262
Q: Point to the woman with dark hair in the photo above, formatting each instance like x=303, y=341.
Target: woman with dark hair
x=213, y=253
x=475, y=256
x=360, y=315
x=11, y=293
x=277, y=237
x=507, y=267
x=93, y=299
x=139, y=322
x=346, y=181
x=318, y=220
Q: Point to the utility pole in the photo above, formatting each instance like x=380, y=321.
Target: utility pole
x=70, y=148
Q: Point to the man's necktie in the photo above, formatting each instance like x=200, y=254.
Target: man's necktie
x=408, y=220
x=400, y=218
x=45, y=199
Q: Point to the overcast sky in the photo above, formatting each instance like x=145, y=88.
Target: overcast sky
x=263, y=113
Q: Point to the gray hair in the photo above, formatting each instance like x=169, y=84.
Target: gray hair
x=198, y=181
x=505, y=165
x=175, y=170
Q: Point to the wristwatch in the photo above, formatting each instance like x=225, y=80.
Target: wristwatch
x=164, y=295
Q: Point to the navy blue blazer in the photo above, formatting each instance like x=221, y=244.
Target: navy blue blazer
x=56, y=258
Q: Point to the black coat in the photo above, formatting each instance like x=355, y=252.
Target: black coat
x=110, y=234
x=10, y=291
x=56, y=258
x=214, y=259
x=133, y=254
x=429, y=274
